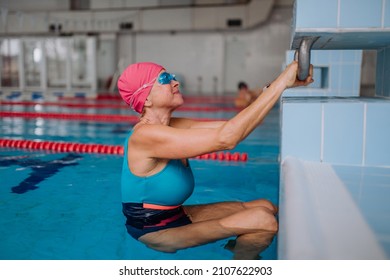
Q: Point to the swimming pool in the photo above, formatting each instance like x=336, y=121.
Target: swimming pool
x=68, y=205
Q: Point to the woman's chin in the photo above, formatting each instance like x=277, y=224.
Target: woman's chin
x=179, y=99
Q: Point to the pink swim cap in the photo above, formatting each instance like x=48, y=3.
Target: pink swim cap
x=136, y=82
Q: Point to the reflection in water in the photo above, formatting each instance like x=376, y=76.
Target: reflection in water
x=40, y=170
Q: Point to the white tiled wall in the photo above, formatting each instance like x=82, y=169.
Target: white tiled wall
x=350, y=131
x=301, y=130
x=330, y=131
x=342, y=14
x=377, y=136
x=345, y=24
x=343, y=73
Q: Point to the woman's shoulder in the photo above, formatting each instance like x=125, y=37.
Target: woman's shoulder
x=144, y=133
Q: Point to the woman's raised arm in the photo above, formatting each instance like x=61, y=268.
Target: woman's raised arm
x=159, y=141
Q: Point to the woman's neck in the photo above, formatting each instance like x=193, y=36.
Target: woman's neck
x=155, y=117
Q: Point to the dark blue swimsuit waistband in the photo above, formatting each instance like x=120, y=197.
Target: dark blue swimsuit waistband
x=140, y=220
x=140, y=217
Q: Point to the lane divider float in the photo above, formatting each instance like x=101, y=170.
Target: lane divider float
x=64, y=116
x=226, y=156
x=83, y=117
x=113, y=106
x=66, y=147
x=187, y=98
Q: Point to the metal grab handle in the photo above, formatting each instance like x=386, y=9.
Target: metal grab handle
x=303, y=54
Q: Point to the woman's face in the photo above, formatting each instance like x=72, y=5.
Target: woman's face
x=166, y=91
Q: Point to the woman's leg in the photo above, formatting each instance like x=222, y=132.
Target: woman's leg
x=204, y=212
x=250, y=245
x=255, y=227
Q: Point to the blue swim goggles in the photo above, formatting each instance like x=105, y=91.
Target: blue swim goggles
x=166, y=78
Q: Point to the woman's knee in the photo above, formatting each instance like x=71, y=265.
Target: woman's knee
x=252, y=219
x=265, y=219
x=263, y=203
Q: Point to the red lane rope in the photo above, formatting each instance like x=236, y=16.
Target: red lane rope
x=86, y=117
x=63, y=104
x=65, y=147
x=112, y=106
x=187, y=98
x=61, y=146
x=225, y=156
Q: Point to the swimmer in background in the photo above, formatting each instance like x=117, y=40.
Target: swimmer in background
x=245, y=96
x=157, y=177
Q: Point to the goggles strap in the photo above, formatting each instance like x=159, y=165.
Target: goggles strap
x=138, y=91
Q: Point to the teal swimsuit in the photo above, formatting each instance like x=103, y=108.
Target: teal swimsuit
x=154, y=202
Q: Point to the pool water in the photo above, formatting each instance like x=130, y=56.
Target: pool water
x=68, y=206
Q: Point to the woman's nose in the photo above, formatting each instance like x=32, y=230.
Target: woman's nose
x=175, y=83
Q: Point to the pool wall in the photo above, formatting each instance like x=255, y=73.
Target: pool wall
x=335, y=178
x=335, y=156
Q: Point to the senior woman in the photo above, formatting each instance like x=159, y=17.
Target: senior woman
x=157, y=177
